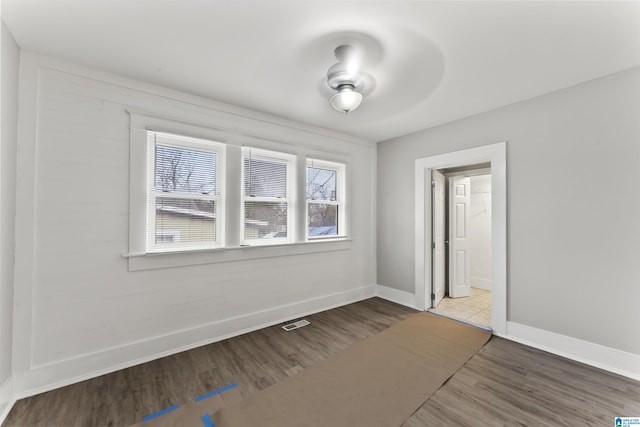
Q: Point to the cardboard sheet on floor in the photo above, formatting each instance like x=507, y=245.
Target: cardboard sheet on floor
x=190, y=413
x=378, y=382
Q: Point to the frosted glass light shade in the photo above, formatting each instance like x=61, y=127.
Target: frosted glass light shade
x=346, y=100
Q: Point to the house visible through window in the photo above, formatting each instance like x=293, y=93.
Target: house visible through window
x=325, y=207
x=267, y=192
x=184, y=208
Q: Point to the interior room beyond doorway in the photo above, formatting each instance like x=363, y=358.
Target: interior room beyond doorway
x=473, y=303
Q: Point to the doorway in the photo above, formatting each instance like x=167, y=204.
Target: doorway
x=461, y=250
x=495, y=156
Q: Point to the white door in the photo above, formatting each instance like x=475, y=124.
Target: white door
x=439, y=188
x=460, y=202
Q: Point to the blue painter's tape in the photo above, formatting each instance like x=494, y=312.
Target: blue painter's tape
x=162, y=412
x=214, y=392
x=207, y=421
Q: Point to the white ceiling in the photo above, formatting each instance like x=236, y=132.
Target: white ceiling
x=433, y=62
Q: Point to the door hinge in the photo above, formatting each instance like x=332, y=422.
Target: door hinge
x=433, y=297
x=433, y=184
x=433, y=245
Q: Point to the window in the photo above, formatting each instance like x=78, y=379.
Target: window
x=325, y=199
x=184, y=187
x=268, y=181
x=198, y=199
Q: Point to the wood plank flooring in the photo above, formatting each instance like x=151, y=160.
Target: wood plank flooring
x=505, y=384
x=509, y=384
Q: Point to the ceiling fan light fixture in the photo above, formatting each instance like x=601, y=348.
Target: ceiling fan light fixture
x=344, y=77
x=346, y=100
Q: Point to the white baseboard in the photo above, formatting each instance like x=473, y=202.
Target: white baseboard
x=609, y=359
x=62, y=373
x=480, y=283
x=7, y=399
x=67, y=372
x=394, y=295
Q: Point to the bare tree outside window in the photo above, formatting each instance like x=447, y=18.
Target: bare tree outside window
x=185, y=171
x=191, y=175
x=322, y=186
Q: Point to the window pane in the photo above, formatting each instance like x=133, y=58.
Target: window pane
x=264, y=178
x=185, y=171
x=321, y=184
x=185, y=221
x=323, y=219
x=263, y=220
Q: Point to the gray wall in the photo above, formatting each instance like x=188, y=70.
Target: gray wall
x=9, y=90
x=573, y=170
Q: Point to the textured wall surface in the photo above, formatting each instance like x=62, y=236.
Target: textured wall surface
x=80, y=309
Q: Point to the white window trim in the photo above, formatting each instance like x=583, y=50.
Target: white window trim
x=139, y=259
x=290, y=197
x=152, y=261
x=179, y=141
x=340, y=200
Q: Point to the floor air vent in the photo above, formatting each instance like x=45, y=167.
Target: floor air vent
x=295, y=325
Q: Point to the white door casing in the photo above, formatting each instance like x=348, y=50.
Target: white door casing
x=496, y=154
x=459, y=216
x=438, y=252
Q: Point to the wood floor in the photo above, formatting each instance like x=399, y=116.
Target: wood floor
x=504, y=384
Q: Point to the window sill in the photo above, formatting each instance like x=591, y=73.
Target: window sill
x=158, y=260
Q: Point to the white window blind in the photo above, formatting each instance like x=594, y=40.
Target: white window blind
x=185, y=201
x=325, y=199
x=267, y=191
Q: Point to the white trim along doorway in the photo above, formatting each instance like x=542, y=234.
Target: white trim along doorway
x=496, y=155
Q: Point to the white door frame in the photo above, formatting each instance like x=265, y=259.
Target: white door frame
x=496, y=155
x=438, y=229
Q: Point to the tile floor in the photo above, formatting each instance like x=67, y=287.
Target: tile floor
x=474, y=309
